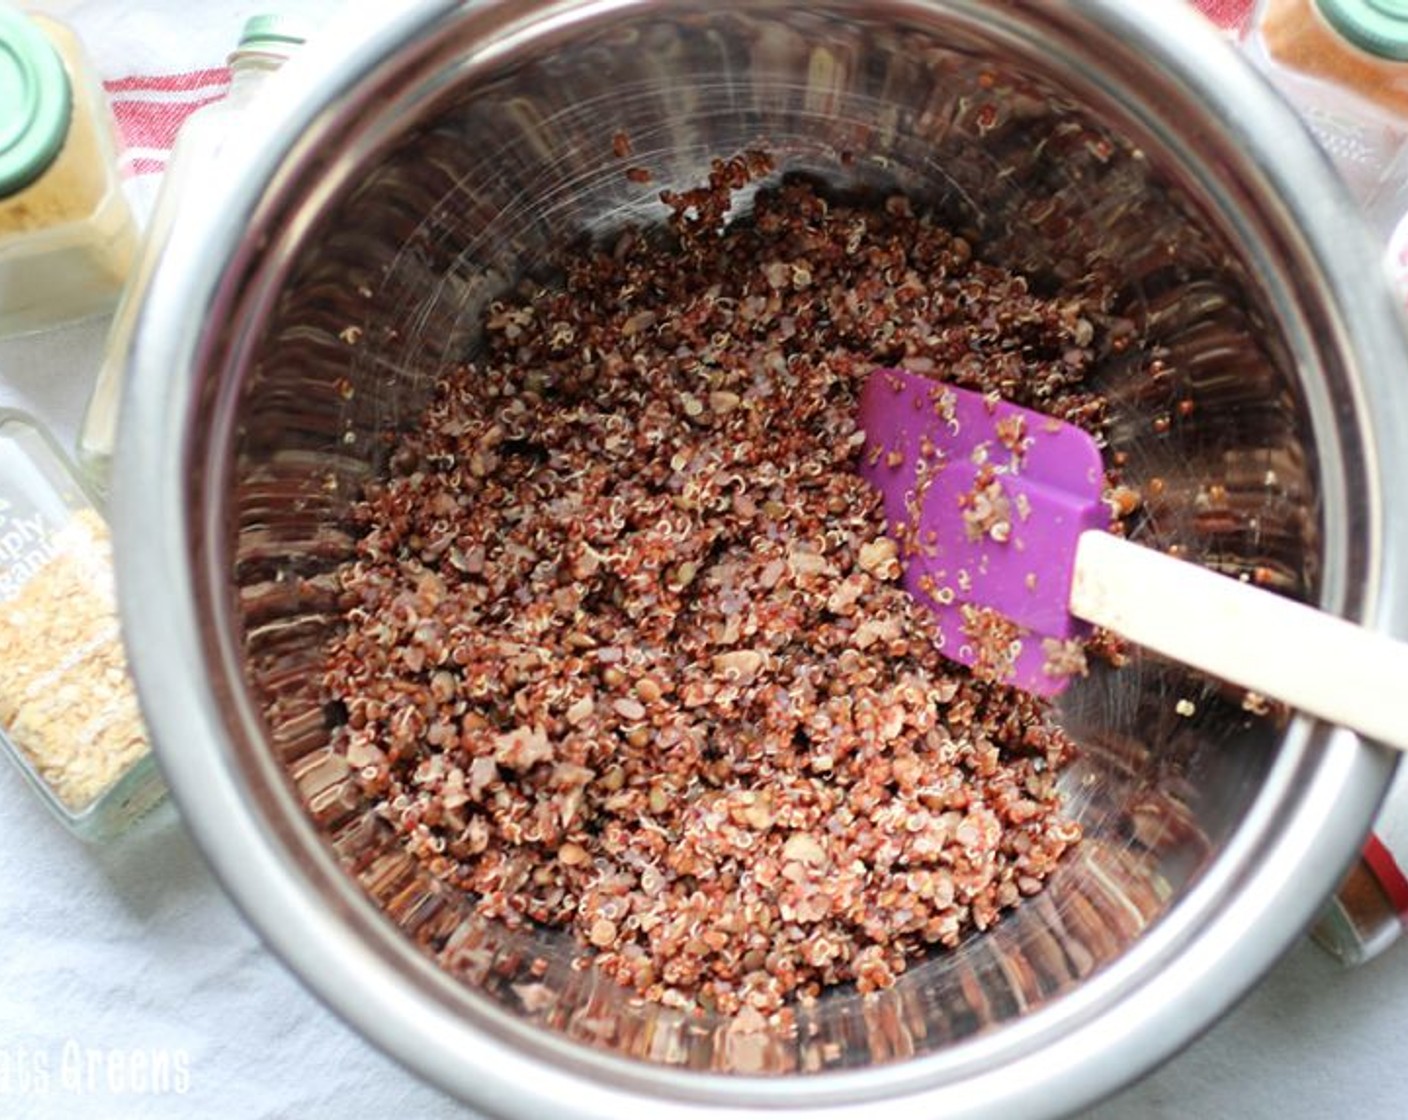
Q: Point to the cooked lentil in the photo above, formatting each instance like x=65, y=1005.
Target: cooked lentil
x=625, y=647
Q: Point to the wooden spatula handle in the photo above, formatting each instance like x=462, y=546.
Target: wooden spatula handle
x=1315, y=662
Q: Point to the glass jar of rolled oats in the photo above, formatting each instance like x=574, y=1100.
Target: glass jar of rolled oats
x=69, y=717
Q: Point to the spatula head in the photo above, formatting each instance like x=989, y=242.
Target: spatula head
x=986, y=501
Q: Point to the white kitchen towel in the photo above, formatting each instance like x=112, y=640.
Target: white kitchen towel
x=160, y=60
x=130, y=988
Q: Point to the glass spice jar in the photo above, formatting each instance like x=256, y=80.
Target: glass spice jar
x=67, y=235
x=69, y=716
x=1368, y=912
x=265, y=43
x=1344, y=65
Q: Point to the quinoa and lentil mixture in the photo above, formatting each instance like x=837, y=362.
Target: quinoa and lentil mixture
x=625, y=648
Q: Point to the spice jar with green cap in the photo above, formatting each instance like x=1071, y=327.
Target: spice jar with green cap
x=69, y=715
x=1344, y=65
x=265, y=43
x=67, y=235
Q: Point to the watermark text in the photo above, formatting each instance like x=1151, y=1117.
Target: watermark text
x=71, y=1068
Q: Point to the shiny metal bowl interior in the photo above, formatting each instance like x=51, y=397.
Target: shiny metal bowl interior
x=447, y=152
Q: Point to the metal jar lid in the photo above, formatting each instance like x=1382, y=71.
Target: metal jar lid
x=37, y=101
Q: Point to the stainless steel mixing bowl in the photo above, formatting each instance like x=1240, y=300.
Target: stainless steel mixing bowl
x=406, y=172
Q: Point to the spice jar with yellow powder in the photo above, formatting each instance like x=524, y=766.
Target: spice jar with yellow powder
x=69, y=716
x=67, y=236
x=1344, y=65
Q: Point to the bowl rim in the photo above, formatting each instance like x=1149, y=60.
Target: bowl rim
x=1258, y=895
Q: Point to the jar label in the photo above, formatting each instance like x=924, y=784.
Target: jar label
x=26, y=544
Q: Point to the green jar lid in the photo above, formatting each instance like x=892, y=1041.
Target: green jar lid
x=278, y=32
x=35, y=101
x=1378, y=26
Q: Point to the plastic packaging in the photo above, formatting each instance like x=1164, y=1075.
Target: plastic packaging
x=265, y=44
x=67, y=236
x=1368, y=912
x=69, y=716
x=1344, y=65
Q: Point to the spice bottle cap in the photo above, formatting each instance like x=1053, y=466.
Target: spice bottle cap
x=274, y=32
x=34, y=91
x=1377, y=26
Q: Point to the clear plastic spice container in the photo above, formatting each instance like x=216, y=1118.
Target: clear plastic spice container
x=67, y=236
x=1369, y=910
x=68, y=709
x=1366, y=914
x=1344, y=65
x=264, y=45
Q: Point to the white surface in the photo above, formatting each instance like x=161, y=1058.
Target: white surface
x=116, y=961
x=1317, y=663
x=130, y=954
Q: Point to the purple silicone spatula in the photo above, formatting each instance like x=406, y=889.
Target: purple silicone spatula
x=999, y=518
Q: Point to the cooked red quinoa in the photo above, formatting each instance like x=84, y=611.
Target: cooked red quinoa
x=625, y=647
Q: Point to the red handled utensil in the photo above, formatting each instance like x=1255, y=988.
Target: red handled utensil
x=998, y=515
